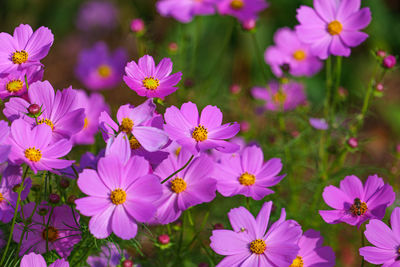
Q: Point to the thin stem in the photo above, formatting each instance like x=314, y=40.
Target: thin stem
x=15, y=217
x=173, y=174
x=338, y=74
x=26, y=83
x=259, y=57
x=47, y=229
x=26, y=226
x=328, y=86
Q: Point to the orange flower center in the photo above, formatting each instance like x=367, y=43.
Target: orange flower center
x=19, y=57
x=151, y=83
x=299, y=55
x=258, y=246
x=104, y=71
x=335, y=27
x=126, y=125
x=51, y=234
x=46, y=121
x=237, y=4
x=14, y=86
x=358, y=208
x=33, y=154
x=200, y=133
x=178, y=185
x=247, y=179
x=297, y=262
x=118, y=196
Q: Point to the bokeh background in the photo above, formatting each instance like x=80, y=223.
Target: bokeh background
x=213, y=54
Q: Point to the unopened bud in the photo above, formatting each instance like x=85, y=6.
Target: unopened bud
x=389, y=62
x=163, y=239
x=64, y=183
x=218, y=226
x=381, y=53
x=138, y=26
x=71, y=199
x=127, y=263
x=34, y=109
x=235, y=89
x=352, y=142
x=379, y=87
x=173, y=47
x=54, y=198
x=42, y=211
x=249, y=25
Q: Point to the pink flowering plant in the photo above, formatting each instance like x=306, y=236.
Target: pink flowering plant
x=200, y=133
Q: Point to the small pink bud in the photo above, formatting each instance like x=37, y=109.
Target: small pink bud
x=173, y=47
x=127, y=263
x=389, y=61
x=235, y=89
x=163, y=239
x=249, y=25
x=398, y=148
x=137, y=25
x=352, y=142
x=218, y=226
x=295, y=133
x=381, y=53
x=244, y=126
x=343, y=93
x=34, y=109
x=54, y=198
x=379, y=87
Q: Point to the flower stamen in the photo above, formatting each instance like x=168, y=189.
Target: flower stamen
x=14, y=86
x=134, y=143
x=247, y=179
x=126, y=125
x=200, y=133
x=237, y=4
x=299, y=55
x=33, y=154
x=178, y=185
x=258, y=246
x=118, y=196
x=46, y=121
x=297, y=262
x=335, y=27
x=51, y=234
x=358, y=208
x=104, y=71
x=19, y=57
x=151, y=83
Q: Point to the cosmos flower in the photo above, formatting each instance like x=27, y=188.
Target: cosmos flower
x=100, y=69
x=61, y=235
x=185, y=10
x=109, y=257
x=333, y=26
x=188, y=188
x=132, y=121
x=149, y=80
x=11, y=179
x=354, y=203
x=60, y=110
x=37, y=260
x=386, y=241
x=287, y=96
x=93, y=105
x=13, y=84
x=243, y=10
x=250, y=244
x=312, y=253
x=32, y=146
x=4, y=145
x=24, y=49
x=199, y=134
x=98, y=15
x=289, y=50
x=319, y=124
x=247, y=174
x=119, y=196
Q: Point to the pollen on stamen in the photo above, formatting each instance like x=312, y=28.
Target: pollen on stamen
x=237, y=4
x=335, y=27
x=358, y=208
x=247, y=179
x=1, y=197
x=19, y=57
x=151, y=83
x=200, y=133
x=33, y=154
x=85, y=123
x=134, y=143
x=46, y=121
x=104, y=71
x=14, y=86
x=178, y=185
x=51, y=234
x=299, y=55
x=118, y=196
x=297, y=262
x=258, y=246
x=126, y=125
x=279, y=97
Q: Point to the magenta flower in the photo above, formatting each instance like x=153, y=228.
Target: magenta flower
x=287, y=96
x=132, y=121
x=4, y=143
x=36, y=260
x=13, y=84
x=119, y=196
x=247, y=174
x=291, y=51
x=250, y=244
x=199, y=134
x=93, y=105
x=11, y=178
x=312, y=253
x=61, y=235
x=149, y=80
x=100, y=69
x=354, y=203
x=319, y=124
x=32, y=146
x=60, y=110
x=188, y=188
x=333, y=26
x=110, y=256
x=24, y=49
x=243, y=10
x=185, y=10
x=386, y=241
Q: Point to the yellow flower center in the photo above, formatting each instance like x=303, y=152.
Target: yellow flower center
x=46, y=121
x=33, y=154
x=104, y=71
x=151, y=83
x=178, y=185
x=14, y=86
x=258, y=246
x=237, y=4
x=200, y=133
x=86, y=123
x=297, y=262
x=19, y=57
x=335, y=27
x=177, y=151
x=51, y=234
x=126, y=125
x=1, y=197
x=247, y=179
x=118, y=196
x=358, y=208
x=134, y=143
x=299, y=55
x=279, y=97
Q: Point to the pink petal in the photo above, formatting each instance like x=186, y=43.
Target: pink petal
x=39, y=44
x=190, y=113
x=380, y=235
x=100, y=224
x=243, y=221
x=90, y=183
x=110, y=171
x=90, y=206
x=352, y=186
x=252, y=159
x=163, y=68
x=263, y=218
x=146, y=64
x=353, y=38
x=211, y=117
x=133, y=71
x=122, y=224
x=326, y=9
x=22, y=34
x=358, y=20
x=226, y=242
x=336, y=198
x=151, y=138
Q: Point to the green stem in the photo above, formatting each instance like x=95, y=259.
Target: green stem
x=47, y=229
x=259, y=56
x=328, y=87
x=176, y=172
x=337, y=82
x=26, y=227
x=15, y=217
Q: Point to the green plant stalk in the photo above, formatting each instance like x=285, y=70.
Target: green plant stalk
x=337, y=83
x=259, y=57
x=328, y=87
x=176, y=172
x=14, y=218
x=26, y=227
x=47, y=229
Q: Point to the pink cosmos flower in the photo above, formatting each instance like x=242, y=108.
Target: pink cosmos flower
x=386, y=241
x=4, y=143
x=354, y=203
x=132, y=121
x=24, y=49
x=11, y=178
x=247, y=174
x=119, y=196
x=149, y=80
x=190, y=187
x=333, y=26
x=93, y=105
x=199, y=134
x=61, y=235
x=60, y=110
x=287, y=96
x=32, y=146
x=288, y=49
x=243, y=10
x=110, y=256
x=13, y=84
x=185, y=10
x=312, y=253
x=36, y=260
x=100, y=69
x=250, y=244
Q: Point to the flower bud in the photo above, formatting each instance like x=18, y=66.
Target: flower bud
x=235, y=89
x=163, y=239
x=173, y=47
x=244, y=126
x=352, y=142
x=64, y=183
x=127, y=263
x=389, y=62
x=138, y=26
x=203, y=264
x=381, y=53
x=15, y=187
x=218, y=226
x=71, y=199
x=34, y=109
x=379, y=87
x=249, y=24
x=54, y=198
